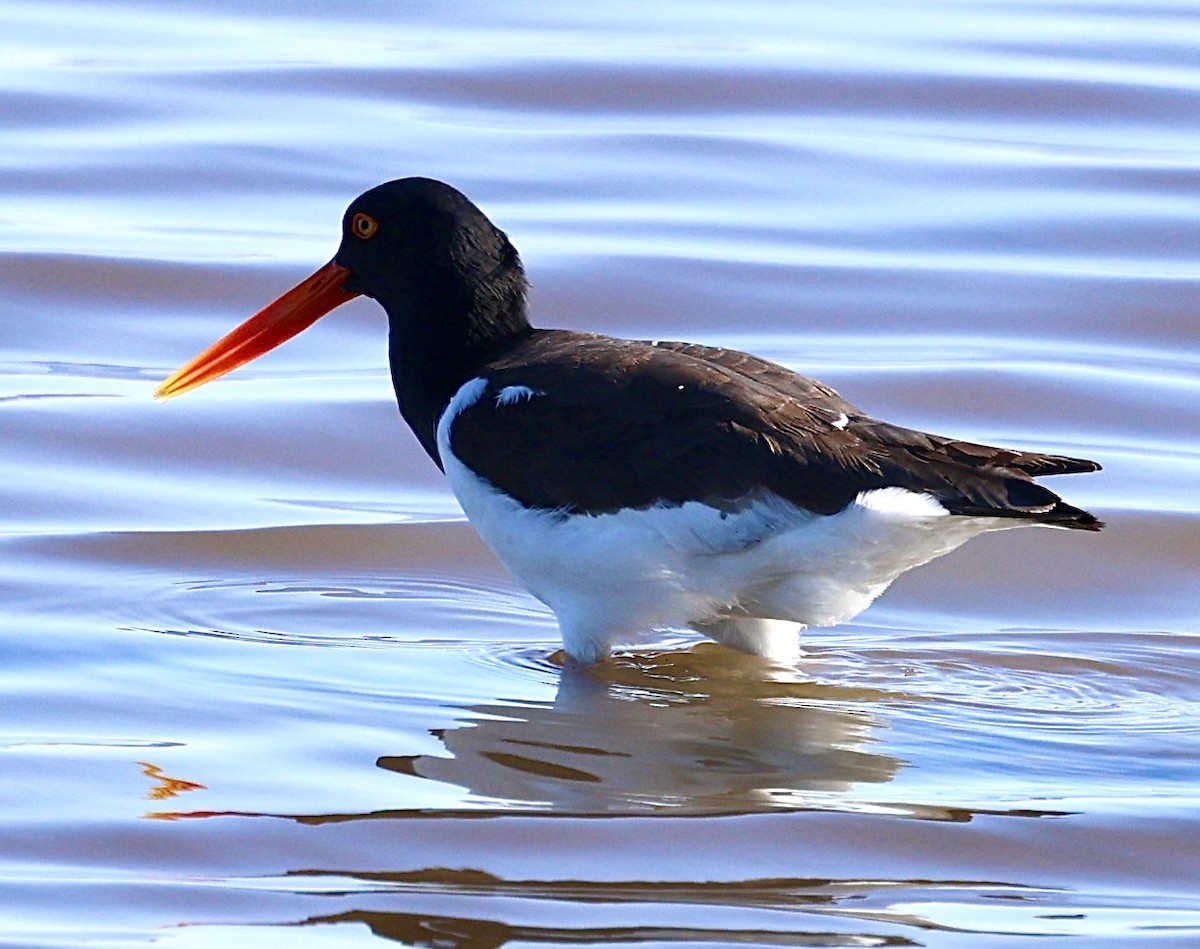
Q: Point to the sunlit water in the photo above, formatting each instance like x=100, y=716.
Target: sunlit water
x=261, y=685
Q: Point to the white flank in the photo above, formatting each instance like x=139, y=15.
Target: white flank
x=901, y=502
x=612, y=578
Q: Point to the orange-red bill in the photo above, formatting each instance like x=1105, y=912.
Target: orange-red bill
x=274, y=324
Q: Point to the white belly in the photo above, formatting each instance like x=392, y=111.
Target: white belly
x=613, y=578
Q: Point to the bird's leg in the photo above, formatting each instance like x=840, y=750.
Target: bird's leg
x=586, y=641
x=774, y=639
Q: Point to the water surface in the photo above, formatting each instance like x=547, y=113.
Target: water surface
x=261, y=684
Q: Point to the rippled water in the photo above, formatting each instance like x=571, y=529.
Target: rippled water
x=259, y=682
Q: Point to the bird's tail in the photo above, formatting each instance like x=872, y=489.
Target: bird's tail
x=1025, y=500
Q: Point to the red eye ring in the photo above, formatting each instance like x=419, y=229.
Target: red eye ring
x=363, y=226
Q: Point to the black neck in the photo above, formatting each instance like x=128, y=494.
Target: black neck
x=432, y=355
x=452, y=285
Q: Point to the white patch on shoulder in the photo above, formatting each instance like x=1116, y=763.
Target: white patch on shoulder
x=841, y=421
x=510, y=394
x=467, y=395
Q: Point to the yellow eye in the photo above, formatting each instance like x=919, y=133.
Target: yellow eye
x=363, y=226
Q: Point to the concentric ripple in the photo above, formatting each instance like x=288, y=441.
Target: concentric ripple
x=314, y=611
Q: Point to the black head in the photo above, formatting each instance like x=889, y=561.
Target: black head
x=451, y=283
x=433, y=260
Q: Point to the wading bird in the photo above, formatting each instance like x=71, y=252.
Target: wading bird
x=635, y=485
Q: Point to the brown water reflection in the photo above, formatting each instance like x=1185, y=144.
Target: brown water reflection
x=699, y=731
x=449, y=932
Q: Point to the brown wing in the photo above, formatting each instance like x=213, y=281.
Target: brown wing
x=619, y=423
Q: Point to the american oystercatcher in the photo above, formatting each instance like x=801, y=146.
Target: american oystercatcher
x=634, y=485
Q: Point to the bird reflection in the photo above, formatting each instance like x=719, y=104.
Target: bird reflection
x=448, y=932
x=704, y=731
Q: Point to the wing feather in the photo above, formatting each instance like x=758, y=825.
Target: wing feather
x=621, y=423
